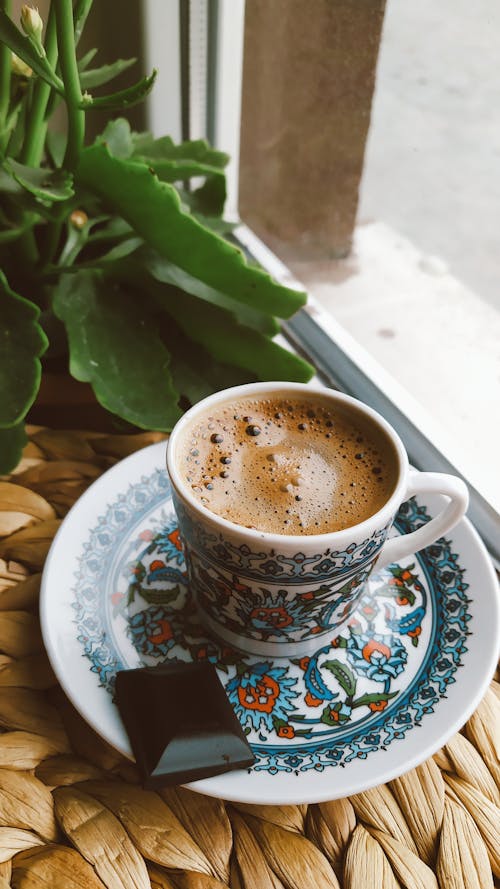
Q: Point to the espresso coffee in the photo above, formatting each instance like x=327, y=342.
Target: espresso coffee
x=288, y=465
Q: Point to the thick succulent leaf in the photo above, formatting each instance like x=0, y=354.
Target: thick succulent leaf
x=209, y=200
x=109, y=229
x=45, y=185
x=153, y=209
x=164, y=271
x=118, y=138
x=56, y=147
x=11, y=233
x=178, y=170
x=122, y=98
x=81, y=11
x=220, y=226
x=117, y=253
x=8, y=184
x=97, y=76
x=177, y=163
x=16, y=107
x=194, y=371
x=22, y=342
x=20, y=44
x=115, y=346
x=229, y=342
x=85, y=60
x=165, y=149
x=12, y=442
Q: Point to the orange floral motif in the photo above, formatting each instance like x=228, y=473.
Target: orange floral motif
x=304, y=663
x=286, y=731
x=373, y=646
x=416, y=632
x=377, y=706
x=164, y=635
x=156, y=565
x=175, y=538
x=311, y=700
x=274, y=617
x=261, y=697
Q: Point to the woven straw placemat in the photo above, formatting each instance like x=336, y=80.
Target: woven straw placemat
x=73, y=815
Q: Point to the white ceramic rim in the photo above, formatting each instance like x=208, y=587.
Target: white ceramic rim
x=332, y=539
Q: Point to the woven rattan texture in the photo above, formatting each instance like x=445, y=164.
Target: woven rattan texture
x=73, y=815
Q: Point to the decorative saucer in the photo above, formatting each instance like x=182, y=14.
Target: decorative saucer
x=406, y=674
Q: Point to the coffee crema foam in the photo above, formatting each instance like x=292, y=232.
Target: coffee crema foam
x=288, y=466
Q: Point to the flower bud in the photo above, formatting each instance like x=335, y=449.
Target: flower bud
x=19, y=67
x=32, y=23
x=78, y=219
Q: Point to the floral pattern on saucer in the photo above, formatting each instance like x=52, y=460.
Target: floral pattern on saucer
x=357, y=693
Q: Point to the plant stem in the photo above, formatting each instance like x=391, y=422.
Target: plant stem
x=72, y=89
x=36, y=129
x=5, y=62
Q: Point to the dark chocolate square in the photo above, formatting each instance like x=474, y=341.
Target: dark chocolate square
x=180, y=723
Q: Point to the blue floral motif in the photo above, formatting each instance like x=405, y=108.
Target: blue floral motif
x=355, y=695
x=168, y=541
x=379, y=657
x=262, y=695
x=155, y=631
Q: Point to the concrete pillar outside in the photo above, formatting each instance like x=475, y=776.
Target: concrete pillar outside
x=308, y=80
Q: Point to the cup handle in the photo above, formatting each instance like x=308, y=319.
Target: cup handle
x=398, y=548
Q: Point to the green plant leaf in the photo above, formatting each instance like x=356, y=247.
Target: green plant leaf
x=165, y=149
x=115, y=346
x=178, y=170
x=209, y=199
x=121, y=250
x=56, y=146
x=22, y=342
x=123, y=98
x=97, y=76
x=45, y=185
x=16, y=106
x=229, y=342
x=153, y=209
x=344, y=676
x=176, y=163
x=164, y=271
x=109, y=228
x=12, y=442
x=8, y=184
x=20, y=44
x=194, y=372
x=86, y=59
x=118, y=138
x=81, y=11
